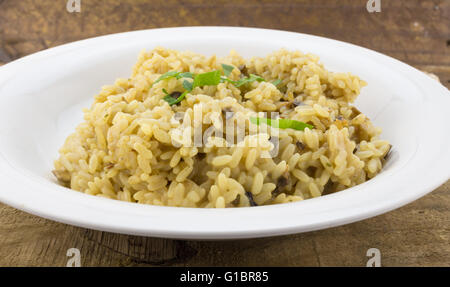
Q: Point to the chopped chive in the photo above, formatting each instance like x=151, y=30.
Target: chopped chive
x=167, y=75
x=174, y=74
x=250, y=79
x=257, y=78
x=165, y=91
x=227, y=69
x=224, y=79
x=207, y=79
x=185, y=75
x=282, y=123
x=276, y=82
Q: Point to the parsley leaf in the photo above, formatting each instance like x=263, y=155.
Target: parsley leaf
x=175, y=98
x=207, y=79
x=174, y=74
x=227, y=69
x=165, y=76
x=187, y=85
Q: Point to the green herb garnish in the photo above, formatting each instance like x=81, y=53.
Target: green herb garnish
x=225, y=79
x=227, y=69
x=250, y=79
x=175, y=97
x=200, y=80
x=168, y=75
x=282, y=123
x=187, y=85
x=212, y=78
x=185, y=75
x=207, y=79
x=174, y=74
x=276, y=82
x=256, y=78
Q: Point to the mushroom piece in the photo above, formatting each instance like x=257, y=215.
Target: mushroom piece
x=250, y=198
x=243, y=70
x=236, y=201
x=282, y=182
x=300, y=145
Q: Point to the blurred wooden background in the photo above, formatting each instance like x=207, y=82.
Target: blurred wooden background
x=413, y=31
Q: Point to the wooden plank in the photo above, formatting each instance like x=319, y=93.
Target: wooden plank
x=416, y=32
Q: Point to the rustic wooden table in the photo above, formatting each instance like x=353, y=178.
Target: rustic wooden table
x=416, y=32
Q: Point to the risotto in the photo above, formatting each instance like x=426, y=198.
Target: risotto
x=195, y=131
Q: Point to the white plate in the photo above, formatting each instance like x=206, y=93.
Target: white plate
x=41, y=97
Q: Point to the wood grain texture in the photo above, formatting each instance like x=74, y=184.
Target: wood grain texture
x=416, y=32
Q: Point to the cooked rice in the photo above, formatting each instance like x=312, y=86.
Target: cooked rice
x=125, y=147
